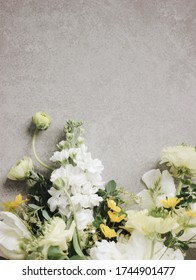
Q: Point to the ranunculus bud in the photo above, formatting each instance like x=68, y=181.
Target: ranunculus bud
x=41, y=120
x=21, y=170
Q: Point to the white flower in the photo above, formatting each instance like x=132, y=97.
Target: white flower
x=159, y=187
x=141, y=221
x=41, y=120
x=86, y=163
x=182, y=157
x=84, y=217
x=72, y=175
x=13, y=236
x=56, y=234
x=59, y=200
x=60, y=155
x=137, y=247
x=86, y=200
x=21, y=170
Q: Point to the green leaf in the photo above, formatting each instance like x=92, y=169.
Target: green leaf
x=76, y=245
x=110, y=187
x=34, y=206
x=45, y=215
x=54, y=253
x=76, y=257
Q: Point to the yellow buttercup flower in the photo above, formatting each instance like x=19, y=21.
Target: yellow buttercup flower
x=108, y=232
x=11, y=206
x=112, y=205
x=114, y=218
x=171, y=202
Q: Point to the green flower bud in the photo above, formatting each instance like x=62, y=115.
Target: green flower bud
x=59, y=183
x=21, y=170
x=41, y=120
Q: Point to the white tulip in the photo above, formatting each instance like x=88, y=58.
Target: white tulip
x=14, y=235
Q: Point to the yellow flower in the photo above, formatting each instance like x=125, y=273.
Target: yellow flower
x=112, y=205
x=11, y=206
x=115, y=218
x=108, y=232
x=171, y=202
x=190, y=213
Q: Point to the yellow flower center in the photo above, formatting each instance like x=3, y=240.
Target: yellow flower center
x=170, y=202
x=115, y=218
x=112, y=205
x=11, y=206
x=108, y=232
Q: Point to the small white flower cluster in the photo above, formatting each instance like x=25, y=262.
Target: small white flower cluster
x=80, y=180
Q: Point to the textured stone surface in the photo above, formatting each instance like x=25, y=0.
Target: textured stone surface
x=127, y=68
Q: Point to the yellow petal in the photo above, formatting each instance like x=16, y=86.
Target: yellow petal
x=112, y=205
x=115, y=218
x=171, y=202
x=108, y=232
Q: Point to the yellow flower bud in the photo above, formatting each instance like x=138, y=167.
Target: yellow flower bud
x=41, y=120
x=21, y=170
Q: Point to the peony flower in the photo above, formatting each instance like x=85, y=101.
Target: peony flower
x=182, y=158
x=14, y=235
x=21, y=170
x=137, y=247
x=160, y=186
x=56, y=234
x=141, y=221
x=41, y=120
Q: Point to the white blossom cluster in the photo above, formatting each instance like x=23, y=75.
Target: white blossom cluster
x=80, y=180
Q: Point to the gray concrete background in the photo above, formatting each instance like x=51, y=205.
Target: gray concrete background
x=127, y=68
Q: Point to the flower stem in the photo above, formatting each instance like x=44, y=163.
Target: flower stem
x=74, y=215
x=35, y=154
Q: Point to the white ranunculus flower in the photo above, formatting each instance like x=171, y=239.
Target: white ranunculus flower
x=13, y=237
x=41, y=120
x=84, y=217
x=160, y=185
x=56, y=234
x=141, y=221
x=21, y=170
x=137, y=247
x=182, y=156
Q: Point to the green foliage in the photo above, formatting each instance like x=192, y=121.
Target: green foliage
x=54, y=253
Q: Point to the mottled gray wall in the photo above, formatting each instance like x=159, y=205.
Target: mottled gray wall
x=127, y=68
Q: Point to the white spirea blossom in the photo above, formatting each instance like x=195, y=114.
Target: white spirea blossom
x=160, y=186
x=56, y=234
x=21, y=170
x=137, y=247
x=182, y=156
x=14, y=235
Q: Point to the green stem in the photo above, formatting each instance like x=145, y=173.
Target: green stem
x=74, y=215
x=35, y=154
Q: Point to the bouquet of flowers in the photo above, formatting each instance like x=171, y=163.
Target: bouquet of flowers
x=70, y=213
